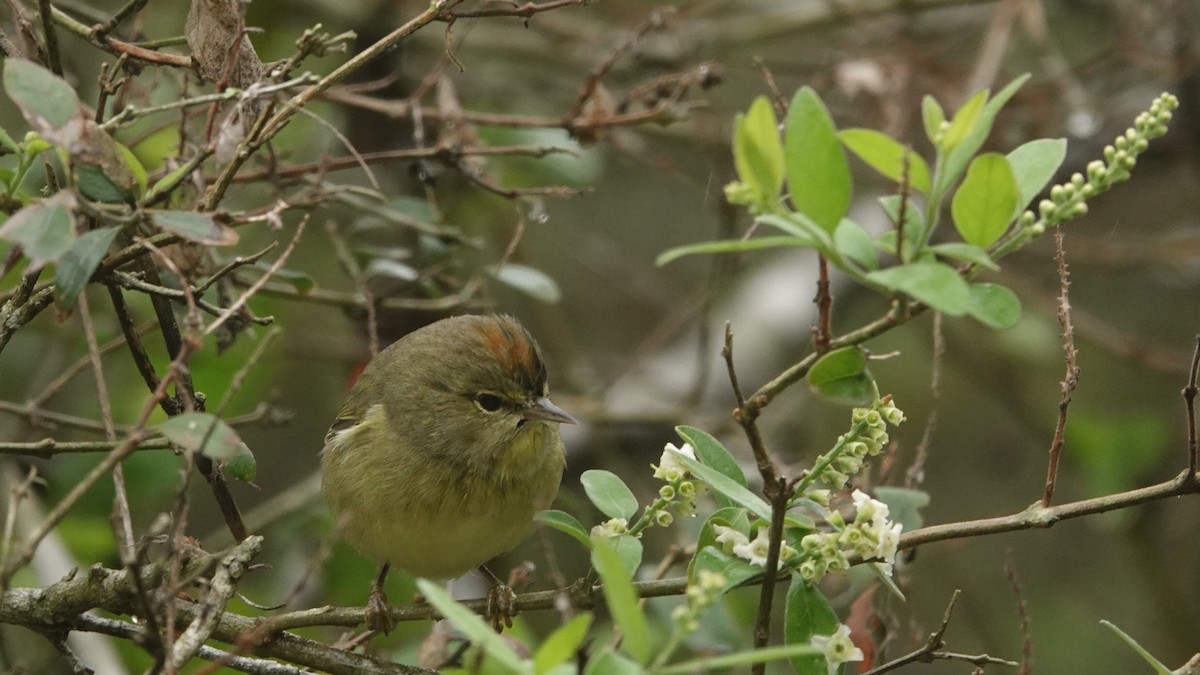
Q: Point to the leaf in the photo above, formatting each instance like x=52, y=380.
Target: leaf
x=841, y=376
x=243, y=467
x=886, y=155
x=629, y=550
x=201, y=228
x=957, y=159
x=728, y=516
x=958, y=250
x=391, y=269
x=818, y=176
x=727, y=246
x=134, y=165
x=530, y=281
x=44, y=229
x=707, y=664
x=933, y=117
x=611, y=662
x=987, y=200
x=727, y=486
x=935, y=284
x=712, y=559
x=758, y=152
x=710, y=451
x=622, y=601
x=45, y=99
x=562, y=644
x=914, y=227
x=800, y=226
x=473, y=627
x=964, y=121
x=609, y=493
x=300, y=281
x=807, y=613
x=994, y=305
x=8, y=143
x=203, y=433
x=565, y=522
x=1034, y=165
x=853, y=242
x=94, y=184
x=76, y=266
x=1154, y=663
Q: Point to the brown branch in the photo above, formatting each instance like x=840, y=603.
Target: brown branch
x=524, y=11
x=48, y=447
x=1189, y=399
x=52, y=55
x=1071, y=379
x=96, y=35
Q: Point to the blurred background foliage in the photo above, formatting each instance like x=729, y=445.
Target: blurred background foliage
x=634, y=349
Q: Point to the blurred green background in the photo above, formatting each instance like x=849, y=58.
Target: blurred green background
x=634, y=349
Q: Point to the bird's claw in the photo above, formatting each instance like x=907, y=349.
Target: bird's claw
x=501, y=606
x=378, y=615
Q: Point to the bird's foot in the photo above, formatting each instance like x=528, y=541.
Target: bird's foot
x=501, y=606
x=379, y=616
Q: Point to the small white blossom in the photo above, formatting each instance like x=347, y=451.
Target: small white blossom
x=729, y=538
x=669, y=468
x=754, y=551
x=838, y=648
x=610, y=528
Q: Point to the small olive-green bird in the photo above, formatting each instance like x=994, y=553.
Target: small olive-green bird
x=445, y=450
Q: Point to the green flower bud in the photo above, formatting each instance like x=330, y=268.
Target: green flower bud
x=663, y=518
x=666, y=492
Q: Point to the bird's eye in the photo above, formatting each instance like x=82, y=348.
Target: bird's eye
x=488, y=402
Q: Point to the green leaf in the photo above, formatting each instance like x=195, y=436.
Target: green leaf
x=802, y=227
x=94, y=184
x=622, y=601
x=710, y=451
x=1034, y=165
x=987, y=200
x=1154, y=663
x=708, y=664
x=935, y=284
x=530, y=281
x=758, y=152
x=203, y=433
x=565, y=522
x=818, y=176
x=994, y=305
x=134, y=165
x=43, y=229
x=8, y=143
x=168, y=182
x=198, y=227
x=914, y=227
x=711, y=558
x=629, y=550
x=300, y=281
x=853, y=242
x=728, y=246
x=727, y=486
x=964, y=120
x=473, y=627
x=243, y=467
x=957, y=159
x=971, y=253
x=807, y=613
x=610, y=662
x=562, y=644
x=45, y=99
x=609, y=493
x=728, y=516
x=886, y=155
x=842, y=377
x=75, y=266
x=933, y=116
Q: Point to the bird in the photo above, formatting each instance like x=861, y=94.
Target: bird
x=446, y=448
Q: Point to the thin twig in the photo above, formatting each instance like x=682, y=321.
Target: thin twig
x=1071, y=379
x=1189, y=399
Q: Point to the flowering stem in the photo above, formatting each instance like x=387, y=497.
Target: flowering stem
x=830, y=457
x=647, y=516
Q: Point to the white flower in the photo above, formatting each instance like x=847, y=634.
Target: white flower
x=838, y=648
x=729, y=538
x=872, y=517
x=610, y=528
x=669, y=468
x=754, y=551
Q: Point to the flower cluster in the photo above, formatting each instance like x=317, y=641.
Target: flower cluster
x=837, y=648
x=679, y=491
x=1068, y=200
x=610, y=528
x=754, y=550
x=871, y=536
x=700, y=596
x=867, y=438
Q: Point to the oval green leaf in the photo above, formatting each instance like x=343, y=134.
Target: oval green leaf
x=609, y=493
x=886, y=155
x=562, y=644
x=622, y=601
x=987, y=200
x=1034, y=165
x=45, y=99
x=729, y=246
x=75, y=266
x=565, y=522
x=854, y=243
x=758, y=152
x=994, y=305
x=935, y=284
x=198, y=227
x=44, y=229
x=530, y=281
x=841, y=377
x=807, y=613
x=710, y=451
x=818, y=176
x=203, y=433
x=727, y=486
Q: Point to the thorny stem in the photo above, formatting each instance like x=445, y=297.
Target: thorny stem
x=1189, y=398
x=1071, y=379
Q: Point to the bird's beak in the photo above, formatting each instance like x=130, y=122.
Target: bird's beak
x=542, y=409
